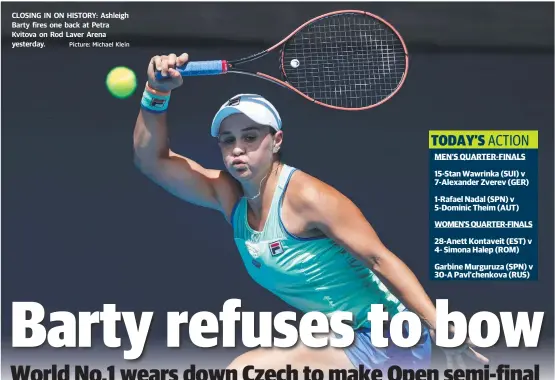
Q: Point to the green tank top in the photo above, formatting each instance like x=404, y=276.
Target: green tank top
x=310, y=274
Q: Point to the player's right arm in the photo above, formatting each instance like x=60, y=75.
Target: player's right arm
x=179, y=175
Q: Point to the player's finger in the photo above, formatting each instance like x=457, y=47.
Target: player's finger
x=152, y=65
x=164, y=67
x=174, y=73
x=158, y=62
x=171, y=60
x=470, y=352
x=182, y=59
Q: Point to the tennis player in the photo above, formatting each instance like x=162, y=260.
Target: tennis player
x=298, y=237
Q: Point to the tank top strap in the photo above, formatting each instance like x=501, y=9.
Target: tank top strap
x=239, y=217
x=274, y=227
x=284, y=177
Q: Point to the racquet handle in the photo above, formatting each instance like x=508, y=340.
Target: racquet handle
x=199, y=68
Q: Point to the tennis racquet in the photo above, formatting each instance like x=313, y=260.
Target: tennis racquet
x=348, y=60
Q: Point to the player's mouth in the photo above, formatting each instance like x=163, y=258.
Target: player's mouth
x=238, y=163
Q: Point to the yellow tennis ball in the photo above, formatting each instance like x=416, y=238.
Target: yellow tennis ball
x=121, y=82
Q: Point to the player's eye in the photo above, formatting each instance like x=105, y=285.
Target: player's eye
x=227, y=140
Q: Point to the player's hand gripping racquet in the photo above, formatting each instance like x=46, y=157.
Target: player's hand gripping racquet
x=348, y=60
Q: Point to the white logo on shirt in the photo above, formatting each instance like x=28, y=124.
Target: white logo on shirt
x=253, y=249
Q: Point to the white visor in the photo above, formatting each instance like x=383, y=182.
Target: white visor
x=255, y=107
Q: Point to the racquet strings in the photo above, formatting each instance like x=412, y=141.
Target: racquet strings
x=346, y=60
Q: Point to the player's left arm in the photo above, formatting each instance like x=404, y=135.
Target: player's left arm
x=327, y=210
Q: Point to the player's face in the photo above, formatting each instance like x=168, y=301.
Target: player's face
x=246, y=146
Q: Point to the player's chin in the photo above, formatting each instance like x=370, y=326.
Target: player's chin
x=241, y=172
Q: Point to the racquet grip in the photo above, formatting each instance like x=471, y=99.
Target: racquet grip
x=199, y=68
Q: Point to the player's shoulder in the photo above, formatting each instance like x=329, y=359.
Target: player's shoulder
x=306, y=191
